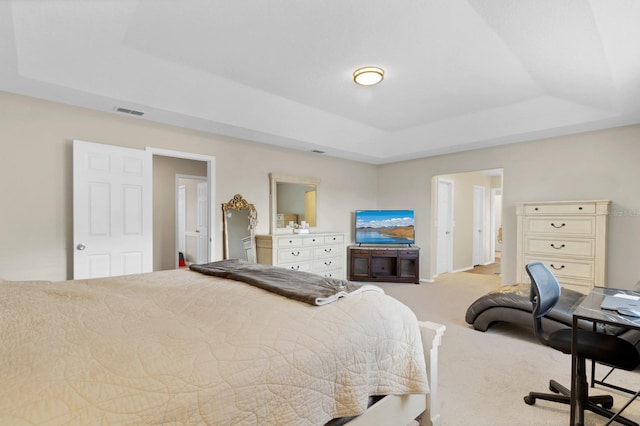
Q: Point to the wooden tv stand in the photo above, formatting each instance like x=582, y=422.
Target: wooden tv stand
x=384, y=263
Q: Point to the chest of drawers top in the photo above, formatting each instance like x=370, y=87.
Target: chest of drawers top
x=563, y=208
x=281, y=241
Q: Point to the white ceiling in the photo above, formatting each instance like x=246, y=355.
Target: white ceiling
x=460, y=74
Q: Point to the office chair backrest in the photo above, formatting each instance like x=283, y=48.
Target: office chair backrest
x=545, y=293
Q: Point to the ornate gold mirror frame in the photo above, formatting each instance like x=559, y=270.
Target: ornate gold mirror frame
x=239, y=220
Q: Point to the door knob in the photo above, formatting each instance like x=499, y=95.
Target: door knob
x=81, y=246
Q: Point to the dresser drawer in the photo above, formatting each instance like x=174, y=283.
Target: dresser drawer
x=560, y=209
x=562, y=225
x=334, y=239
x=546, y=246
x=327, y=251
x=297, y=266
x=294, y=254
x=312, y=240
x=289, y=241
x=328, y=264
x=569, y=269
x=334, y=273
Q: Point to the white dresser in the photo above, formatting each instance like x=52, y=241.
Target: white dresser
x=320, y=253
x=570, y=237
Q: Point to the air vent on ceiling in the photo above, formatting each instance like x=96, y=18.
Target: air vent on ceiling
x=317, y=151
x=129, y=111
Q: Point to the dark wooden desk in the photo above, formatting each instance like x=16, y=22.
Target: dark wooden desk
x=588, y=309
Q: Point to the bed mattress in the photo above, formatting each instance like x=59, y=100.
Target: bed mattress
x=178, y=347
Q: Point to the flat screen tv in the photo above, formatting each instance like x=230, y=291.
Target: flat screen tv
x=385, y=227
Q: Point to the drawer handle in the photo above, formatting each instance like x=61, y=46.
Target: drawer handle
x=295, y=268
x=557, y=248
x=555, y=226
x=295, y=254
x=327, y=263
x=327, y=250
x=556, y=268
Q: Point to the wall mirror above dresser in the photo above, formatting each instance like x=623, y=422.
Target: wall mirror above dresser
x=239, y=219
x=293, y=203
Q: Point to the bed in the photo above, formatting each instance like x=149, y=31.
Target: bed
x=183, y=347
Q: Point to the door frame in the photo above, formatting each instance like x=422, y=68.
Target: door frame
x=211, y=172
x=181, y=211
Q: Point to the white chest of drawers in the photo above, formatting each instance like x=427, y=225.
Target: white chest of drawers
x=320, y=253
x=570, y=237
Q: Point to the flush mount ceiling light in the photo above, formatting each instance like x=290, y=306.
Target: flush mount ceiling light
x=368, y=76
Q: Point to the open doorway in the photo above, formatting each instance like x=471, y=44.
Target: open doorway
x=191, y=219
x=167, y=166
x=466, y=222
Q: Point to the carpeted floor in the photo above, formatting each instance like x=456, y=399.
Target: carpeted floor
x=490, y=269
x=484, y=376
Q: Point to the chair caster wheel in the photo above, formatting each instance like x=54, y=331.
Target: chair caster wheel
x=529, y=400
x=554, y=390
x=607, y=405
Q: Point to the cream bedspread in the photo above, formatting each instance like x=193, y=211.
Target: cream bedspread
x=178, y=347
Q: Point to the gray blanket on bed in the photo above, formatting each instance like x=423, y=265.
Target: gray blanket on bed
x=301, y=286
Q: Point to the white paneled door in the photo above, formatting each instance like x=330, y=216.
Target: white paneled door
x=112, y=211
x=444, y=224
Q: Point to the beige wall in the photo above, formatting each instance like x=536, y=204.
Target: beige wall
x=595, y=165
x=36, y=178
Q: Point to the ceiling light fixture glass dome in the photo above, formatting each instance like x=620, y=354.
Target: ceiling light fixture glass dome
x=368, y=76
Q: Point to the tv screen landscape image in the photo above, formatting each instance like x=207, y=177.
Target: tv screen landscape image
x=385, y=227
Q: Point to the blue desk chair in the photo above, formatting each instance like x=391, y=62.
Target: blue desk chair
x=603, y=348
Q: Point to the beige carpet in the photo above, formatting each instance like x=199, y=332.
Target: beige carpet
x=484, y=376
x=490, y=269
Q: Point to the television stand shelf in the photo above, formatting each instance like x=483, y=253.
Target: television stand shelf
x=384, y=263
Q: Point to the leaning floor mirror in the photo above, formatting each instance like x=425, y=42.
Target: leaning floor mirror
x=239, y=220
